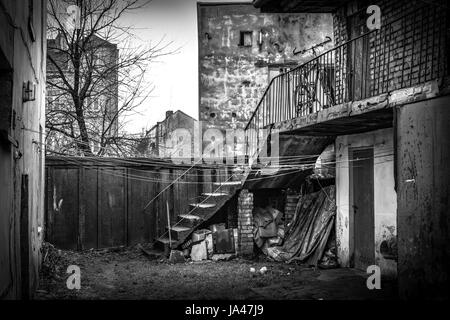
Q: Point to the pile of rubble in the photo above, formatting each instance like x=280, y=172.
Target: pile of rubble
x=215, y=243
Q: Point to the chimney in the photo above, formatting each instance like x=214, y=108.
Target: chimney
x=169, y=113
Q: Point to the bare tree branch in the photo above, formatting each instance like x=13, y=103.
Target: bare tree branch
x=93, y=83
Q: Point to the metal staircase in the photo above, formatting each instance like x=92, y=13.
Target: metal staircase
x=203, y=210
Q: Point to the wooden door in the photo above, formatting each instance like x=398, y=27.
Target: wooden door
x=423, y=214
x=362, y=203
x=358, y=56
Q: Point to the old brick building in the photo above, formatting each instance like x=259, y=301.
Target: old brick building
x=242, y=49
x=158, y=140
x=22, y=128
x=381, y=95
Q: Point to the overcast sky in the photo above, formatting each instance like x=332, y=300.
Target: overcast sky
x=174, y=77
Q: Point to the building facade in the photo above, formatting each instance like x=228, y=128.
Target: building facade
x=158, y=141
x=241, y=50
x=22, y=130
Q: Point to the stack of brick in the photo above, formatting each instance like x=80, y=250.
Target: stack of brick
x=289, y=207
x=245, y=222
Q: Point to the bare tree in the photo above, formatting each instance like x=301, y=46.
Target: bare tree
x=93, y=83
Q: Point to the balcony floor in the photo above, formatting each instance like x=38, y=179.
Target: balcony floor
x=369, y=121
x=358, y=116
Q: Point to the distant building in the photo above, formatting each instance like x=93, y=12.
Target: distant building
x=157, y=141
x=242, y=49
x=102, y=104
x=22, y=131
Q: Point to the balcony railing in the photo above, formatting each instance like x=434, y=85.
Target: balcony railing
x=406, y=52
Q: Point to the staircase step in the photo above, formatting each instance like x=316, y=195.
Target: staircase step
x=228, y=183
x=179, y=232
x=206, y=213
x=215, y=194
x=202, y=205
x=163, y=243
x=199, y=212
x=190, y=217
x=189, y=220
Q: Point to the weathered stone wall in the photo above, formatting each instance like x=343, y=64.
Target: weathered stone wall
x=233, y=77
x=245, y=222
x=22, y=59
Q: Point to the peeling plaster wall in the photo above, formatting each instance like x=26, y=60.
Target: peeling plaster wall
x=232, y=78
x=385, y=197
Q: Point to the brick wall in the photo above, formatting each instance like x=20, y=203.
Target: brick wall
x=245, y=222
x=233, y=77
x=289, y=207
x=410, y=48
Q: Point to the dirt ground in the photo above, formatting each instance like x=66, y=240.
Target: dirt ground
x=128, y=274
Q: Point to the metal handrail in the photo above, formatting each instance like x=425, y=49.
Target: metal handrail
x=345, y=71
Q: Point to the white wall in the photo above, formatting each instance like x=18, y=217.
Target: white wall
x=385, y=197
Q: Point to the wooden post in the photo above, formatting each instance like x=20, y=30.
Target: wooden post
x=168, y=224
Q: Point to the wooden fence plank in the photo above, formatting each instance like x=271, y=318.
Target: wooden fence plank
x=65, y=208
x=112, y=207
x=102, y=205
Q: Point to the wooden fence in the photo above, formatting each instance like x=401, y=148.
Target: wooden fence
x=99, y=203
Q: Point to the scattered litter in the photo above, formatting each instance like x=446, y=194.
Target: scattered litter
x=176, y=256
x=263, y=270
x=217, y=227
x=306, y=237
x=252, y=270
x=200, y=235
x=223, y=257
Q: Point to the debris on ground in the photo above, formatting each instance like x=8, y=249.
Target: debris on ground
x=129, y=274
x=223, y=256
x=306, y=235
x=215, y=243
x=329, y=259
x=54, y=262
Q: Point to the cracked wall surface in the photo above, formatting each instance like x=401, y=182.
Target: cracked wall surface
x=233, y=77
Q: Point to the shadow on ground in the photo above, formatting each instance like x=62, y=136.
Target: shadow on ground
x=128, y=274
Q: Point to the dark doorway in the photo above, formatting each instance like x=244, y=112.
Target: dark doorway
x=358, y=56
x=25, y=239
x=362, y=203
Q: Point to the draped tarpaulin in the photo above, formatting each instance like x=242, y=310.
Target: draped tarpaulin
x=307, y=234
